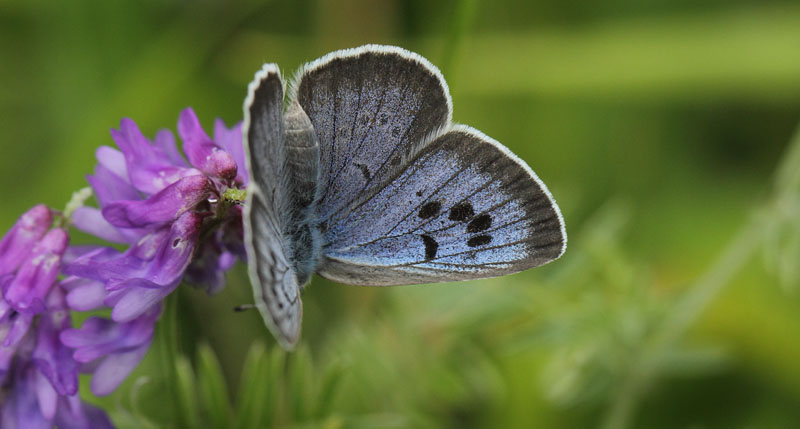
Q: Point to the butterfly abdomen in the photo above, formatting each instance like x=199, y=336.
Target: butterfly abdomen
x=303, y=167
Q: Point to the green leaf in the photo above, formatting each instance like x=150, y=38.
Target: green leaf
x=187, y=401
x=213, y=391
x=329, y=386
x=252, y=397
x=274, y=388
x=299, y=394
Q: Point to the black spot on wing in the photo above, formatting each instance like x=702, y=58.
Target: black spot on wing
x=480, y=223
x=462, y=212
x=479, y=240
x=431, y=246
x=364, y=171
x=430, y=209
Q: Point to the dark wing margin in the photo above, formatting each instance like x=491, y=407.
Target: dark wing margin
x=464, y=208
x=275, y=288
x=373, y=108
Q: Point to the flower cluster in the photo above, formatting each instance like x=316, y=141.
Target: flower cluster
x=179, y=220
x=38, y=373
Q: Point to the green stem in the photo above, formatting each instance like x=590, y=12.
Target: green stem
x=463, y=17
x=680, y=318
x=75, y=202
x=701, y=294
x=168, y=345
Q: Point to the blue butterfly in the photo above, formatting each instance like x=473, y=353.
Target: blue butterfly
x=365, y=180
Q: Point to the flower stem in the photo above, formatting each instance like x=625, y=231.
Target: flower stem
x=463, y=17
x=75, y=202
x=168, y=345
x=680, y=318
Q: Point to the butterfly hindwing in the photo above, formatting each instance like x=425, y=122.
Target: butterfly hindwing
x=274, y=282
x=372, y=109
x=465, y=207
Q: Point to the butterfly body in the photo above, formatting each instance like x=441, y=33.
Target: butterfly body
x=302, y=225
x=365, y=180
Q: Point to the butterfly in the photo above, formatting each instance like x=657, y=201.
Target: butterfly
x=364, y=179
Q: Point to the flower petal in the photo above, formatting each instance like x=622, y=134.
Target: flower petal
x=161, y=207
x=91, y=221
x=106, y=264
x=136, y=301
x=113, y=369
x=53, y=359
x=99, y=337
x=202, y=152
x=150, y=168
x=20, y=240
x=26, y=293
x=13, y=326
x=176, y=252
x=79, y=251
x=120, y=346
x=165, y=141
x=113, y=160
x=231, y=141
x=109, y=187
x=95, y=330
x=208, y=267
x=47, y=396
x=21, y=408
x=86, y=294
x=76, y=414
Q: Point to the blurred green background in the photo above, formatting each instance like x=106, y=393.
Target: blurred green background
x=663, y=129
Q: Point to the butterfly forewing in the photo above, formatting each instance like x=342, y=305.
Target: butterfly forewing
x=463, y=208
x=372, y=108
x=274, y=282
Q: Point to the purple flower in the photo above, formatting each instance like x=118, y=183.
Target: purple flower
x=146, y=273
x=163, y=207
x=38, y=374
x=13, y=327
x=145, y=189
x=19, y=241
x=53, y=359
x=114, y=349
x=209, y=266
x=32, y=403
x=30, y=257
x=177, y=223
x=202, y=152
x=35, y=276
x=84, y=294
x=176, y=218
